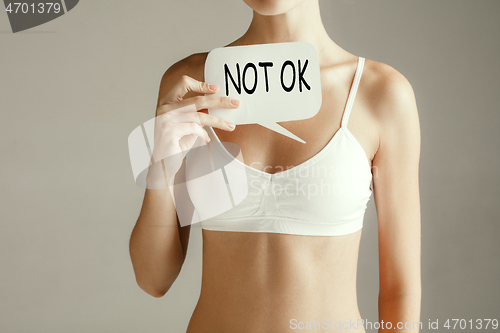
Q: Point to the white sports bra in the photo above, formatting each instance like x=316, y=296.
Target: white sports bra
x=323, y=196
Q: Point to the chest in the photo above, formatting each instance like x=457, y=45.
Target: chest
x=271, y=152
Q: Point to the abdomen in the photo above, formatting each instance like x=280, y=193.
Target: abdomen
x=265, y=282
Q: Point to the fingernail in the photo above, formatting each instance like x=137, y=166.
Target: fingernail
x=231, y=125
x=213, y=87
x=235, y=102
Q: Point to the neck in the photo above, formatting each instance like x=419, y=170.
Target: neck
x=302, y=23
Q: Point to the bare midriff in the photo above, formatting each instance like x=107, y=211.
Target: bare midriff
x=268, y=282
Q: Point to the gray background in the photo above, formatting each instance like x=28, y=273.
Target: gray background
x=73, y=89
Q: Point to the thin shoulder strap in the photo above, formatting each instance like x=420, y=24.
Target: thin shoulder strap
x=353, y=91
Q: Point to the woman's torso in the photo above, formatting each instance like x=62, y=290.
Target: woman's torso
x=270, y=282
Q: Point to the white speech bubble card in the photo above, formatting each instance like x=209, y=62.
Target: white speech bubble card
x=274, y=83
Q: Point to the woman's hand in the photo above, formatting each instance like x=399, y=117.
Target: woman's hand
x=178, y=123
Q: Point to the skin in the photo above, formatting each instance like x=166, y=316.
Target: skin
x=258, y=282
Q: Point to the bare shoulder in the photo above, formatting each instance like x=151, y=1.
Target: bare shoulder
x=390, y=99
x=389, y=93
x=192, y=66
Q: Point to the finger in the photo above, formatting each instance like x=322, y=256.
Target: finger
x=201, y=103
x=211, y=102
x=183, y=129
x=184, y=85
x=188, y=114
x=176, y=108
x=213, y=121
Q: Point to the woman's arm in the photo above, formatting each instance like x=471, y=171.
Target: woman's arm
x=158, y=243
x=396, y=195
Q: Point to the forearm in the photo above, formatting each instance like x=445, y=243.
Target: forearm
x=401, y=311
x=155, y=246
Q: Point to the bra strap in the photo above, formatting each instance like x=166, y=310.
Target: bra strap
x=353, y=91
